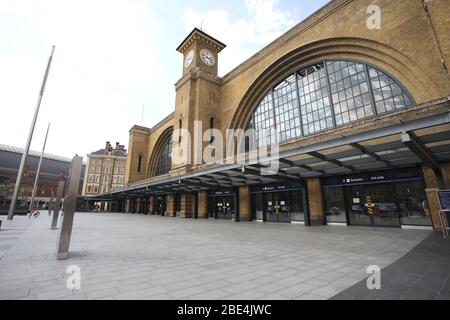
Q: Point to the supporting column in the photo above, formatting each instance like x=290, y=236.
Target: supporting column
x=431, y=189
x=50, y=206
x=445, y=168
x=245, y=208
x=202, y=205
x=315, y=201
x=145, y=205
x=170, y=210
x=138, y=205
x=187, y=205
x=151, y=206
x=127, y=206
x=133, y=205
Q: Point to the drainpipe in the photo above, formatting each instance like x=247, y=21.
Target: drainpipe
x=433, y=28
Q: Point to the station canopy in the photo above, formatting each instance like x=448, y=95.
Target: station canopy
x=421, y=141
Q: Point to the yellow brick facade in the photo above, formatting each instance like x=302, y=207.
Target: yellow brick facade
x=406, y=47
x=413, y=46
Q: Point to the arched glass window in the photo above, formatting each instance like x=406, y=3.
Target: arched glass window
x=165, y=159
x=324, y=96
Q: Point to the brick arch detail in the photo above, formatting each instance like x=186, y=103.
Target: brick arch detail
x=409, y=74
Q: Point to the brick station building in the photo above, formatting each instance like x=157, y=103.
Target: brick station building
x=53, y=169
x=363, y=120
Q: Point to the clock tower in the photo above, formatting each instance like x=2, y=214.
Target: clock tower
x=200, y=50
x=198, y=93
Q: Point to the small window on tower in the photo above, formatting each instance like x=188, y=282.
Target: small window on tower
x=140, y=164
x=180, y=123
x=211, y=127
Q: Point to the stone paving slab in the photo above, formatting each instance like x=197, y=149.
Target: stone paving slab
x=422, y=274
x=11, y=230
x=124, y=256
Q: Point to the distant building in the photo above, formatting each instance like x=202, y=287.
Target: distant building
x=105, y=170
x=53, y=169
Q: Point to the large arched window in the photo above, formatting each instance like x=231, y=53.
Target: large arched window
x=326, y=95
x=165, y=159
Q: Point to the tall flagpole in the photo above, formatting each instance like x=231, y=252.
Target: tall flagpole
x=33, y=195
x=30, y=136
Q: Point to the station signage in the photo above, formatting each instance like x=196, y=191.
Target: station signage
x=273, y=188
x=279, y=187
x=373, y=177
x=221, y=193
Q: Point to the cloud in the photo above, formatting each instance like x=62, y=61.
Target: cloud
x=103, y=68
x=107, y=64
x=262, y=23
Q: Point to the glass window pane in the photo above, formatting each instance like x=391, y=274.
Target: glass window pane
x=412, y=202
x=335, y=204
x=354, y=96
x=286, y=108
x=309, y=109
x=313, y=87
x=390, y=93
x=165, y=159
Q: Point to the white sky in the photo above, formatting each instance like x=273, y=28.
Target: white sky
x=112, y=57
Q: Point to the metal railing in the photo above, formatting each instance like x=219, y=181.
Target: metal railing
x=444, y=222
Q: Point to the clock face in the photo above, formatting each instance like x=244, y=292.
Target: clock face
x=207, y=57
x=189, y=58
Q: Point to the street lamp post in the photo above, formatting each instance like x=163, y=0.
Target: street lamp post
x=33, y=195
x=30, y=136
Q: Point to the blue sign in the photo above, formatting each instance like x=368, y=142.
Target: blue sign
x=373, y=177
x=444, y=199
x=277, y=187
x=221, y=193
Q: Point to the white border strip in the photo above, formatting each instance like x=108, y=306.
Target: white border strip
x=340, y=224
x=417, y=228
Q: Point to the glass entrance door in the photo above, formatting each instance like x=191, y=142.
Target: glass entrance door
x=161, y=206
x=374, y=205
x=413, y=205
x=284, y=206
x=177, y=204
x=277, y=207
x=258, y=206
x=221, y=207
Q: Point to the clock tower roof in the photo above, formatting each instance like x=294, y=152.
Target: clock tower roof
x=199, y=35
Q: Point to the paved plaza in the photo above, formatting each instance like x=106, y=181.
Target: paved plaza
x=421, y=274
x=125, y=256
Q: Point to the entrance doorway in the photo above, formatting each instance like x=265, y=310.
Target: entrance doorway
x=222, y=207
x=161, y=206
x=391, y=198
x=284, y=207
x=277, y=207
x=177, y=205
x=374, y=205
